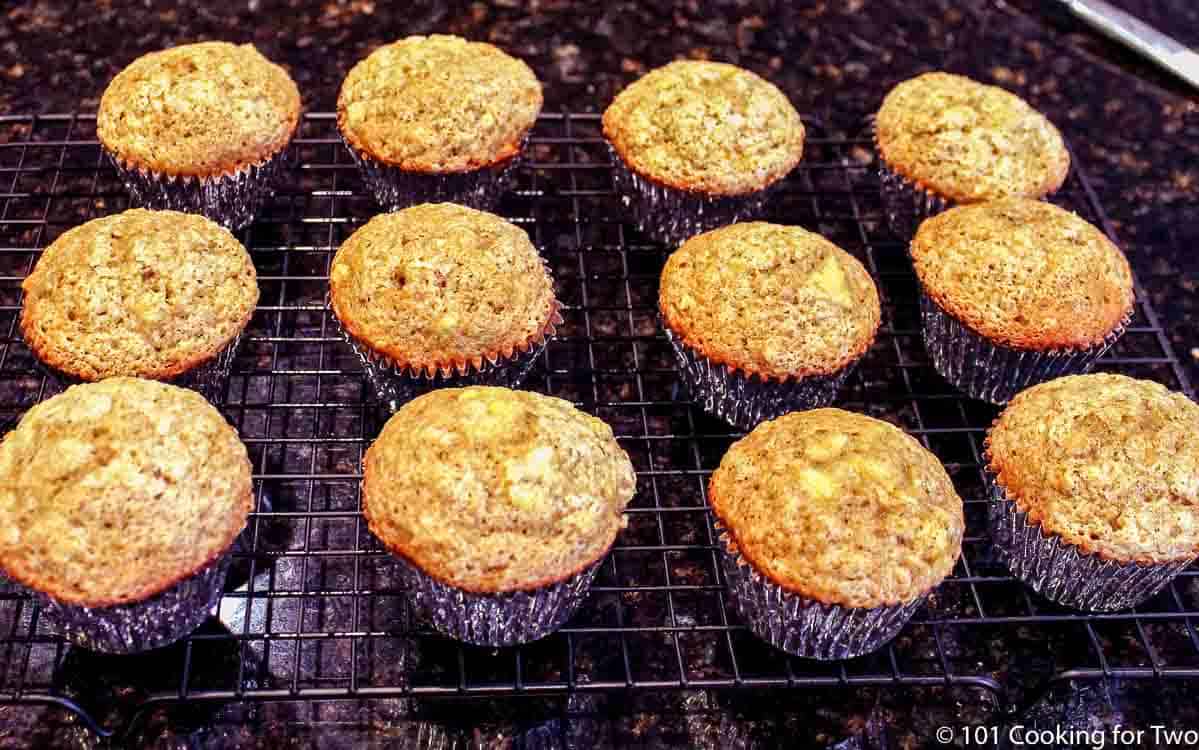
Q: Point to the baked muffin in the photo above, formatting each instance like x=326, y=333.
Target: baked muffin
x=118, y=503
x=441, y=294
x=1095, y=488
x=501, y=504
x=765, y=319
x=1015, y=292
x=833, y=529
x=944, y=140
x=437, y=118
x=697, y=145
x=152, y=294
x=201, y=128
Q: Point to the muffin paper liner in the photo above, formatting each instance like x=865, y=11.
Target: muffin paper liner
x=209, y=378
x=905, y=203
x=395, y=188
x=744, y=400
x=802, y=626
x=230, y=200
x=995, y=373
x=394, y=384
x=670, y=216
x=503, y=619
x=1061, y=571
x=158, y=621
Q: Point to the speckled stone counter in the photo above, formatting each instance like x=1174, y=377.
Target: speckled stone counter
x=1135, y=129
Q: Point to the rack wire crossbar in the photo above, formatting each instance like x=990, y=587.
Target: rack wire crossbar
x=314, y=607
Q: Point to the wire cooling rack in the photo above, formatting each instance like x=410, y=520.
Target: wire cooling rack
x=314, y=609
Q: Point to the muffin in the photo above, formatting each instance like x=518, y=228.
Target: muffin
x=1015, y=292
x=1094, y=483
x=945, y=140
x=833, y=528
x=150, y=294
x=698, y=145
x=501, y=505
x=201, y=128
x=437, y=118
x=119, y=502
x=765, y=319
x=438, y=295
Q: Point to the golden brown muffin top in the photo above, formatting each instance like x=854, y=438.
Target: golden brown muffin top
x=1106, y=462
x=969, y=142
x=113, y=492
x=1024, y=273
x=202, y=110
x=142, y=293
x=774, y=300
x=438, y=285
x=840, y=507
x=705, y=127
x=490, y=489
x=438, y=104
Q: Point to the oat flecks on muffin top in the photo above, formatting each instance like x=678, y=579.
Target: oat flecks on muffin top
x=968, y=141
x=112, y=492
x=436, y=286
x=438, y=104
x=141, y=293
x=491, y=490
x=777, y=301
x=1024, y=273
x=1107, y=462
x=200, y=110
x=705, y=127
x=839, y=507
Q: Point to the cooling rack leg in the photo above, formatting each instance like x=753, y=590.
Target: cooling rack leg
x=65, y=703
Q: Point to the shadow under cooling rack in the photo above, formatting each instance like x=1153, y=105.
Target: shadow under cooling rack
x=315, y=608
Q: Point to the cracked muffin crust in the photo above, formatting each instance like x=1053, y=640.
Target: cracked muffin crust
x=968, y=141
x=777, y=301
x=438, y=285
x=1025, y=274
x=198, y=110
x=1106, y=462
x=840, y=508
x=492, y=490
x=112, y=492
x=438, y=104
x=141, y=293
x=705, y=127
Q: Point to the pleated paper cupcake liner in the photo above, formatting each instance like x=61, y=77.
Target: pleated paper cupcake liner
x=995, y=373
x=209, y=378
x=802, y=626
x=905, y=203
x=1061, y=571
x=670, y=216
x=396, y=188
x=395, y=385
x=230, y=200
x=504, y=619
x=141, y=626
x=744, y=400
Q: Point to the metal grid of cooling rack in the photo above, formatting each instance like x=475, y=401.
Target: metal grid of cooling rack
x=314, y=609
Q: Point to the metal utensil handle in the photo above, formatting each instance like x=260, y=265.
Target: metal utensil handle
x=1132, y=32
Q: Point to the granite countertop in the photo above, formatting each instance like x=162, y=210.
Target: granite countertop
x=1134, y=128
